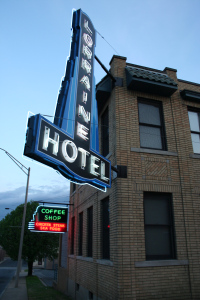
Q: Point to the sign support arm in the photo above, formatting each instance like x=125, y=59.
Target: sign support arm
x=104, y=68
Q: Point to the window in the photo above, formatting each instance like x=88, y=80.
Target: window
x=80, y=240
x=159, y=231
x=152, y=133
x=73, y=187
x=105, y=229
x=90, y=231
x=90, y=295
x=105, y=133
x=72, y=234
x=194, y=119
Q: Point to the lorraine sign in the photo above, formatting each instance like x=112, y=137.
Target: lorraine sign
x=71, y=144
x=49, y=219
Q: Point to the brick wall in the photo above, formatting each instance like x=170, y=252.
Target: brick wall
x=127, y=275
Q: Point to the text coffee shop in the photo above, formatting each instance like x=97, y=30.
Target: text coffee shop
x=131, y=148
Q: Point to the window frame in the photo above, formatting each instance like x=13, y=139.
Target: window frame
x=158, y=104
x=90, y=231
x=105, y=230
x=194, y=110
x=80, y=237
x=171, y=227
x=72, y=235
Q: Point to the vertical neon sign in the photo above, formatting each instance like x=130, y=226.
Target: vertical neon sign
x=71, y=144
x=76, y=111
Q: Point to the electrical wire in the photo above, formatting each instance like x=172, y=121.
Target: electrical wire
x=107, y=42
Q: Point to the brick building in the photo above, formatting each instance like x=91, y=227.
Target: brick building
x=140, y=239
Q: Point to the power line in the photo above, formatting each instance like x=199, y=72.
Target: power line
x=107, y=42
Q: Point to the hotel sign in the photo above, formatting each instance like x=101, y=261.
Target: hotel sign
x=49, y=219
x=70, y=145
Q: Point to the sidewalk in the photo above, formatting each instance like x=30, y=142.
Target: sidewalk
x=19, y=293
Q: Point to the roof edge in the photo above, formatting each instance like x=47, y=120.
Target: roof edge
x=145, y=68
x=118, y=57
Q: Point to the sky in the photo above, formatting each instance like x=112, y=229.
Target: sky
x=34, y=45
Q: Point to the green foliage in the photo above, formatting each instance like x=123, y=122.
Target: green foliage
x=35, y=245
x=36, y=290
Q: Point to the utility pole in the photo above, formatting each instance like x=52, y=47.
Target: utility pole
x=27, y=172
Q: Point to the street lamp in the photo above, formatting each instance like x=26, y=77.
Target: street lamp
x=27, y=172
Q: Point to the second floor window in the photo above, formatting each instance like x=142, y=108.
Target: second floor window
x=159, y=226
x=152, y=133
x=194, y=119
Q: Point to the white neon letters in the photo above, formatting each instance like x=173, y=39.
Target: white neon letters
x=48, y=140
x=83, y=157
x=85, y=80
x=93, y=165
x=74, y=151
x=103, y=171
x=84, y=99
x=84, y=114
x=87, y=27
x=88, y=40
x=69, y=152
x=87, y=52
x=82, y=131
x=86, y=65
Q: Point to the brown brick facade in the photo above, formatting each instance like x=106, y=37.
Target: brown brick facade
x=128, y=275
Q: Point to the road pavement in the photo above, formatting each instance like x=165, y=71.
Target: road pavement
x=7, y=279
x=7, y=271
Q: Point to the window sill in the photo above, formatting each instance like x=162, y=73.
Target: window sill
x=153, y=151
x=195, y=155
x=161, y=263
x=105, y=262
x=85, y=258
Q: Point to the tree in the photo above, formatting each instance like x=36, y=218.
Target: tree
x=35, y=244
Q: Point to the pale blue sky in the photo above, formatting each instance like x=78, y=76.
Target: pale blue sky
x=34, y=45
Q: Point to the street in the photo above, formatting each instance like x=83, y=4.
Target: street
x=7, y=271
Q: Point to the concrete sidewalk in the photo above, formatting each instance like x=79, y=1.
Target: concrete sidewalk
x=19, y=293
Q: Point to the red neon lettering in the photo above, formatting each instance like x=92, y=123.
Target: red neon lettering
x=46, y=226
x=42, y=228
x=59, y=225
x=43, y=224
x=54, y=229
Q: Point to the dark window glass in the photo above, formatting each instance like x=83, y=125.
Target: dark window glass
x=152, y=133
x=90, y=231
x=159, y=231
x=105, y=133
x=80, y=240
x=105, y=229
x=72, y=234
x=194, y=118
x=73, y=187
x=90, y=295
